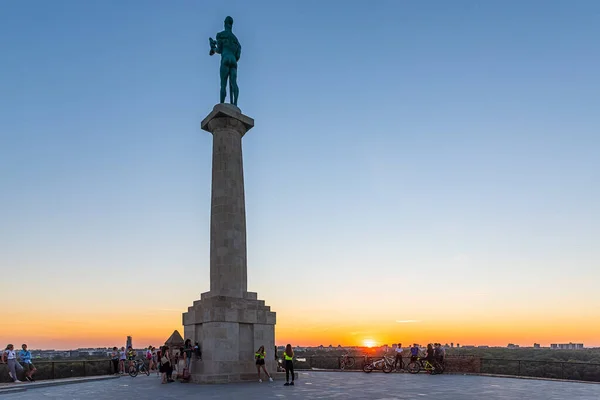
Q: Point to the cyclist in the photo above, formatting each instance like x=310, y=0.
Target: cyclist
x=430, y=356
x=130, y=356
x=414, y=353
x=398, y=359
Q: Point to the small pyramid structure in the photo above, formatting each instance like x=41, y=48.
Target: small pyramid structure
x=175, y=340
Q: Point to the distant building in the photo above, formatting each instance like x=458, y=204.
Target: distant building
x=512, y=346
x=567, y=346
x=129, y=342
x=536, y=346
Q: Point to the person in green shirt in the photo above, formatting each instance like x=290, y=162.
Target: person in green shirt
x=259, y=356
x=288, y=355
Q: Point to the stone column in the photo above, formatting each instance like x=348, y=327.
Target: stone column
x=228, y=267
x=228, y=322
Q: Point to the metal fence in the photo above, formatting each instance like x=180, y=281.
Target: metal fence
x=65, y=369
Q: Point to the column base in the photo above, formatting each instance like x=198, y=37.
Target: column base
x=229, y=331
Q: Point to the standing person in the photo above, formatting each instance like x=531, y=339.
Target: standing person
x=414, y=352
x=398, y=359
x=122, y=358
x=150, y=359
x=430, y=356
x=9, y=357
x=188, y=350
x=158, y=360
x=442, y=353
x=288, y=355
x=198, y=351
x=114, y=356
x=25, y=357
x=259, y=356
x=165, y=364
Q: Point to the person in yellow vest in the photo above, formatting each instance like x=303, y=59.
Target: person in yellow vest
x=259, y=356
x=288, y=355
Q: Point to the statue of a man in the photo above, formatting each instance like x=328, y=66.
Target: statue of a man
x=228, y=46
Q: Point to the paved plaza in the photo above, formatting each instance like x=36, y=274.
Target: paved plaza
x=325, y=385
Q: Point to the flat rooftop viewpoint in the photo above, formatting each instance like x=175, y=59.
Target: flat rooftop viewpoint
x=326, y=385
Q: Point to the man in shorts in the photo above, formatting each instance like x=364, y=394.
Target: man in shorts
x=25, y=356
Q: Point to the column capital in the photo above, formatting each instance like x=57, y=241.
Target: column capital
x=227, y=111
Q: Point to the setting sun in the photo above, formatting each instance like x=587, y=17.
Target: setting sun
x=369, y=343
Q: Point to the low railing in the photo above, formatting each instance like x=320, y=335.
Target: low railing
x=454, y=364
x=474, y=365
x=542, y=369
x=65, y=369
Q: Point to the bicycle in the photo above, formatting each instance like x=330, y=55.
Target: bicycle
x=414, y=367
x=346, y=361
x=137, y=367
x=383, y=364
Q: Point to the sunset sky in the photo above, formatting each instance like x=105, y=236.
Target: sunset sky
x=419, y=170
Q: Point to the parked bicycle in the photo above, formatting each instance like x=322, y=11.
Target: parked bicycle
x=414, y=367
x=346, y=361
x=385, y=364
x=138, y=367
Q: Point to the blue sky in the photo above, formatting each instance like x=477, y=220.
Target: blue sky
x=393, y=140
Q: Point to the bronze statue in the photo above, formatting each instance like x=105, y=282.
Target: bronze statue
x=228, y=46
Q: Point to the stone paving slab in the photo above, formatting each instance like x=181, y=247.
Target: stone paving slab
x=21, y=387
x=326, y=385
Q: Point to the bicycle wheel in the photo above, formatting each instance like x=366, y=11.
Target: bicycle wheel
x=133, y=372
x=350, y=362
x=368, y=368
x=387, y=368
x=413, y=367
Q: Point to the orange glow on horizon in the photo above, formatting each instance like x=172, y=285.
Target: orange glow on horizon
x=369, y=343
x=46, y=329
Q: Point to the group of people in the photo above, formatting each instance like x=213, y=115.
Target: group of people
x=162, y=360
x=10, y=357
x=119, y=356
x=434, y=354
x=288, y=358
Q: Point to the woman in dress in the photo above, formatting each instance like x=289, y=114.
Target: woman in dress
x=165, y=364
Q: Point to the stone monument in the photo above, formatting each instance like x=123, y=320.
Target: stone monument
x=228, y=322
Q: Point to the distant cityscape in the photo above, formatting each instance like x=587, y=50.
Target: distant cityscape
x=101, y=352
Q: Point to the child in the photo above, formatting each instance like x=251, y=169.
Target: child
x=288, y=355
